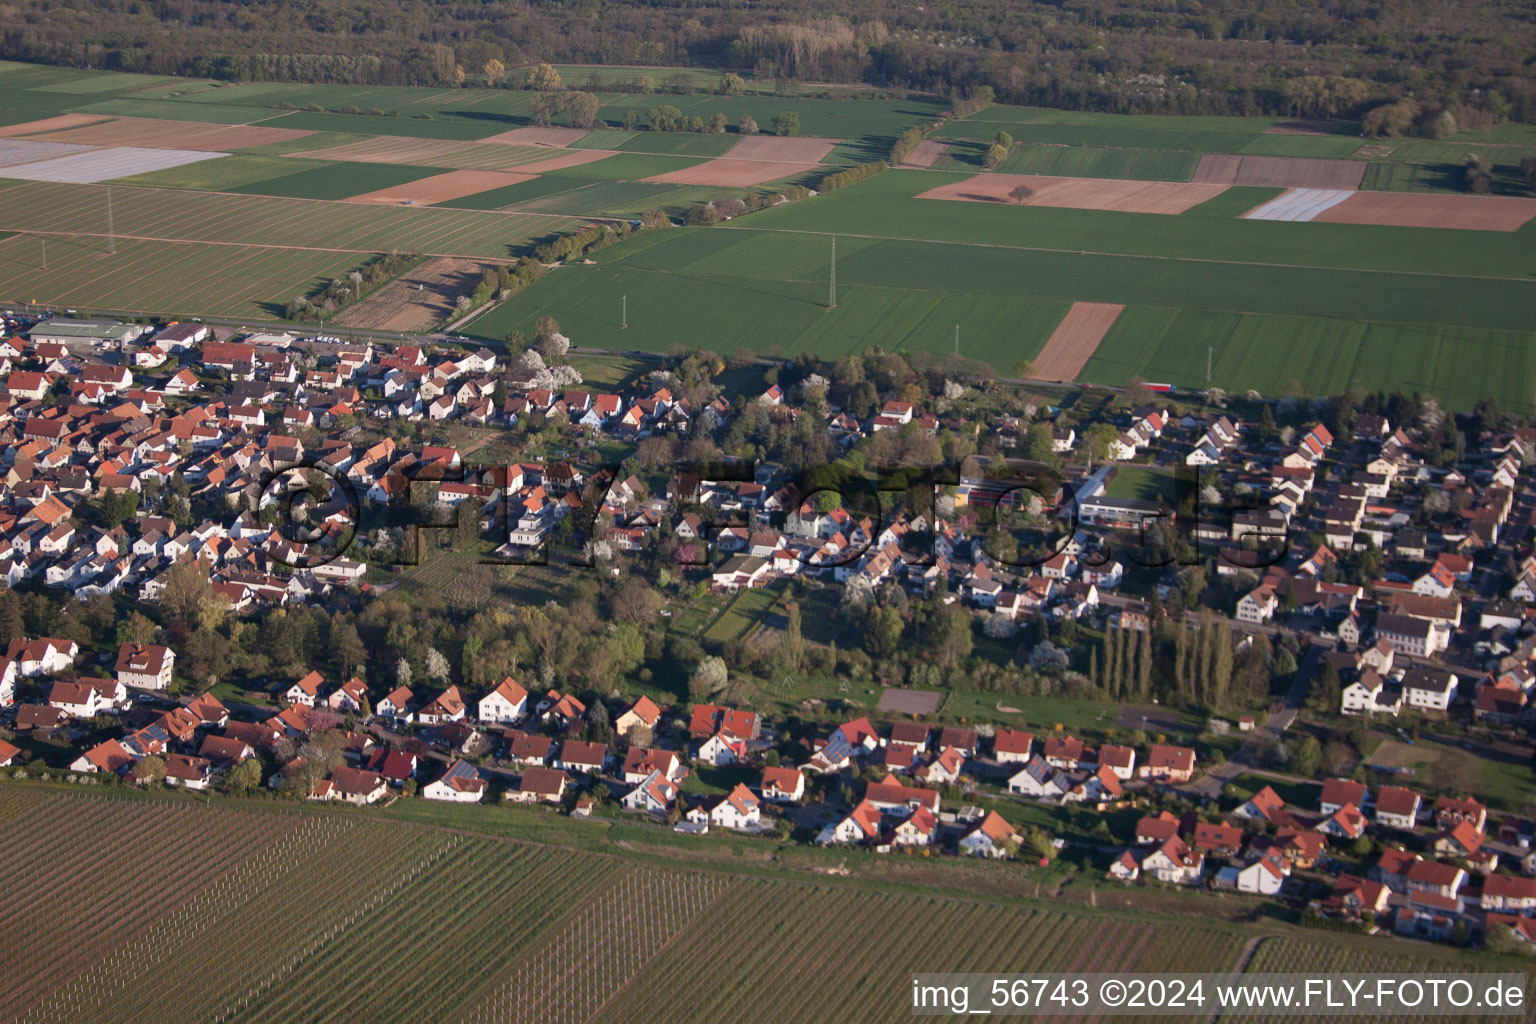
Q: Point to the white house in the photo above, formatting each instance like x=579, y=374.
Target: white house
x=1174, y=862
x=1039, y=780
x=461, y=784
x=1264, y=876
x=991, y=838
x=306, y=691
x=653, y=795
x=782, y=785
x=504, y=705
x=148, y=666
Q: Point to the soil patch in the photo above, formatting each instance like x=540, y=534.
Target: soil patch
x=731, y=173
x=1075, y=339
x=782, y=150
x=442, y=187
x=535, y=136
x=1428, y=210
x=50, y=124
x=1081, y=193
x=925, y=153
x=1279, y=171
x=417, y=300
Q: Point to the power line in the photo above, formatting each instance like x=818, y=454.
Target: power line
x=832, y=282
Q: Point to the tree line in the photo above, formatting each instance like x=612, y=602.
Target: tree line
x=1299, y=58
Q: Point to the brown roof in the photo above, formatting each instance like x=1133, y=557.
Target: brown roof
x=544, y=781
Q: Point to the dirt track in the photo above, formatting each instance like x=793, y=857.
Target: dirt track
x=1074, y=340
x=442, y=187
x=1081, y=193
x=1279, y=171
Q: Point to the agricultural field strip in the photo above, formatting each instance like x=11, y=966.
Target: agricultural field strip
x=154, y=277
x=598, y=947
x=1298, y=204
x=535, y=886
x=44, y=955
x=290, y=900
x=263, y=220
x=1110, y=252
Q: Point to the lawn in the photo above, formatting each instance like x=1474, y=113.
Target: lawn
x=1148, y=483
x=748, y=609
x=1301, y=795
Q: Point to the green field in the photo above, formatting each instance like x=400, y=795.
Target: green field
x=1149, y=483
x=1459, y=365
x=1091, y=162
x=263, y=220
x=335, y=180
x=885, y=206
x=153, y=276
x=768, y=292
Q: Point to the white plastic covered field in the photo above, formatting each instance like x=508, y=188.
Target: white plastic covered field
x=1300, y=204
x=103, y=164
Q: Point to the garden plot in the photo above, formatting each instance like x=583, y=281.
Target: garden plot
x=105, y=164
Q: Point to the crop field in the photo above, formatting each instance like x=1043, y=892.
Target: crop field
x=885, y=206
x=152, y=213
x=1459, y=365
x=769, y=292
x=223, y=174
x=336, y=181
x=151, y=276
x=1088, y=162
x=288, y=912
